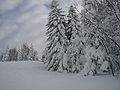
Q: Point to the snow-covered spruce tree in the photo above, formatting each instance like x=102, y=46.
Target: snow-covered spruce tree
x=101, y=18
x=74, y=35
x=56, y=39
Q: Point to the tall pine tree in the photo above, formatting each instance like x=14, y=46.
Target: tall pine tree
x=74, y=34
x=56, y=39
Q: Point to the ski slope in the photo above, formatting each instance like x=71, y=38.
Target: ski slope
x=32, y=76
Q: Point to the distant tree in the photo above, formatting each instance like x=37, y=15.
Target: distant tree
x=5, y=56
x=23, y=52
x=1, y=56
x=33, y=55
x=13, y=54
x=9, y=55
x=27, y=52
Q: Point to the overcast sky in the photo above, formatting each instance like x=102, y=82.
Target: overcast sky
x=24, y=21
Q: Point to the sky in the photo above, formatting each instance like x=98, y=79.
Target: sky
x=24, y=21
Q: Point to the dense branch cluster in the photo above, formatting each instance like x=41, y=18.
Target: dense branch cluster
x=85, y=41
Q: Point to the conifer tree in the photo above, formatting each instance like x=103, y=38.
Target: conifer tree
x=75, y=37
x=56, y=39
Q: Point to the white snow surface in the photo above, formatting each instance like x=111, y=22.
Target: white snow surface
x=32, y=76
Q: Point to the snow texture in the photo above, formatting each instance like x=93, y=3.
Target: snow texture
x=31, y=76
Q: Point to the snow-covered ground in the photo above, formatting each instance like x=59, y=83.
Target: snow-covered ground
x=32, y=76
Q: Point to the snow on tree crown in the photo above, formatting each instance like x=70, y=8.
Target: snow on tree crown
x=54, y=4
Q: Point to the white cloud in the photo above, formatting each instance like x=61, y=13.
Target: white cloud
x=9, y=4
x=6, y=30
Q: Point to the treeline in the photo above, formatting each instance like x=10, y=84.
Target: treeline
x=85, y=41
x=24, y=53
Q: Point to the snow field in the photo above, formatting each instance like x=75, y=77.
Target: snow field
x=32, y=76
